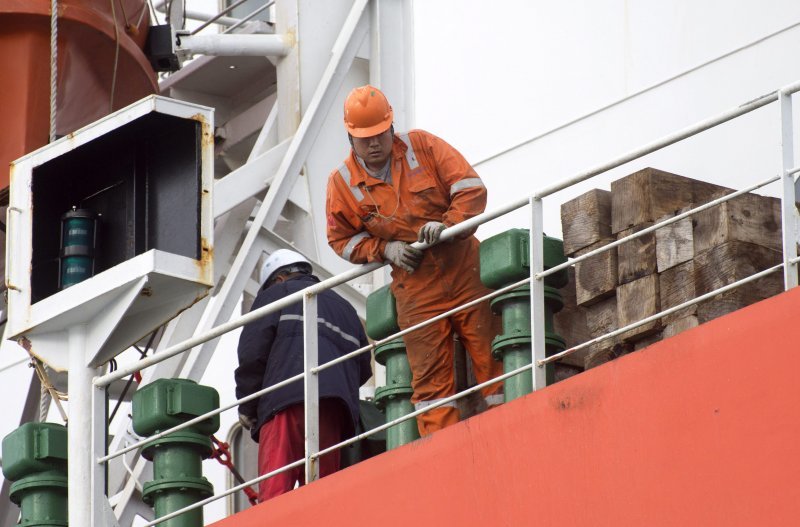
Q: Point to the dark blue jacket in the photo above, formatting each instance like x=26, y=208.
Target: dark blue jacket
x=271, y=350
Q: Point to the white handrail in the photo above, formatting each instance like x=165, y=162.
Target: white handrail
x=300, y=376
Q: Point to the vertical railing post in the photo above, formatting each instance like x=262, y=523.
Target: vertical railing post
x=789, y=214
x=311, y=361
x=85, y=437
x=537, y=293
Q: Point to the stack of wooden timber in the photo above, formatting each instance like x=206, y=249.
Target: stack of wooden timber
x=664, y=268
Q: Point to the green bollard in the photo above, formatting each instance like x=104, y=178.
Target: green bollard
x=513, y=346
x=177, y=458
x=504, y=260
x=35, y=459
x=394, y=398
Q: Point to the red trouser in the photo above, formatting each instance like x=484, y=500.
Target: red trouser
x=281, y=441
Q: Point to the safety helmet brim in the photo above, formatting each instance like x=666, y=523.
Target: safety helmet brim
x=371, y=131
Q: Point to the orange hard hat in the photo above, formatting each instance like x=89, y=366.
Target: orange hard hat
x=367, y=112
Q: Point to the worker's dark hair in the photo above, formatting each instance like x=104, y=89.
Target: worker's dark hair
x=350, y=137
x=286, y=270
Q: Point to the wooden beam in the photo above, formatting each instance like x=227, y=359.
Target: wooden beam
x=595, y=278
x=680, y=325
x=570, y=323
x=636, y=258
x=727, y=263
x=674, y=243
x=747, y=218
x=647, y=195
x=637, y=300
x=676, y=286
x=601, y=318
x=586, y=220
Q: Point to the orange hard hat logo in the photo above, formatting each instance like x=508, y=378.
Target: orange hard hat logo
x=367, y=112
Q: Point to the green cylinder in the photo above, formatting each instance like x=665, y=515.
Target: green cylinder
x=177, y=458
x=505, y=260
x=35, y=459
x=395, y=398
x=513, y=346
x=77, y=246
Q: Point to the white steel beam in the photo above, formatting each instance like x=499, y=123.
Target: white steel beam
x=536, y=248
x=311, y=385
x=268, y=136
x=391, y=62
x=249, y=180
x=221, y=306
x=789, y=214
x=85, y=437
x=343, y=52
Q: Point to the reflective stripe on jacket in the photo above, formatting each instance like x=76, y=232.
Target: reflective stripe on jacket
x=271, y=350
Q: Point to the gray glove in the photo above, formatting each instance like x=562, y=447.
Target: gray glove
x=247, y=421
x=430, y=232
x=402, y=255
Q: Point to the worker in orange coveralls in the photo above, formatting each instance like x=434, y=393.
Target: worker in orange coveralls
x=396, y=189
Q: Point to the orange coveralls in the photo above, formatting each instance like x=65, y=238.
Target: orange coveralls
x=431, y=181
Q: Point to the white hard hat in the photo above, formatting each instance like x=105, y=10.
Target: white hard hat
x=278, y=259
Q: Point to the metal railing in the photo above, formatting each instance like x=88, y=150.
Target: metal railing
x=218, y=18
x=536, y=280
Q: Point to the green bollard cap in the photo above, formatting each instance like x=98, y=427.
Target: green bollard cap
x=381, y=314
x=165, y=403
x=505, y=259
x=35, y=448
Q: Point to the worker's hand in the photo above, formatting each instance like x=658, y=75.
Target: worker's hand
x=247, y=421
x=402, y=255
x=430, y=232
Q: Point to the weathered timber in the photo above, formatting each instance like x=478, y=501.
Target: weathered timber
x=676, y=286
x=731, y=261
x=747, y=218
x=586, y=220
x=636, y=258
x=727, y=263
x=674, y=243
x=649, y=194
x=680, y=325
x=703, y=192
x=637, y=300
x=595, y=278
x=741, y=297
x=647, y=341
x=565, y=371
x=600, y=355
x=570, y=323
x=601, y=318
